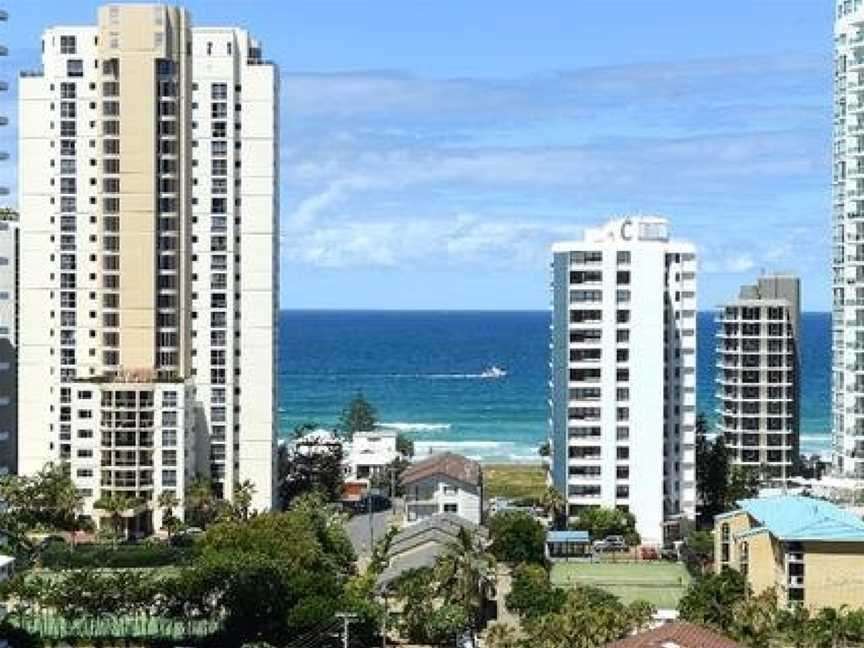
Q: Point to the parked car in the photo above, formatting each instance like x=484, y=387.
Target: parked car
x=611, y=543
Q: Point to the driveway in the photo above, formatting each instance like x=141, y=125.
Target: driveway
x=362, y=538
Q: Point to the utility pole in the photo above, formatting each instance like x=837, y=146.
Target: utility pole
x=347, y=620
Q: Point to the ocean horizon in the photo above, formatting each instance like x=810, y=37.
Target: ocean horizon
x=423, y=371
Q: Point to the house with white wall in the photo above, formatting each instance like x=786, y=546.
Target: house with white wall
x=443, y=483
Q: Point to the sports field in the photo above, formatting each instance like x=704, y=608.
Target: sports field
x=659, y=583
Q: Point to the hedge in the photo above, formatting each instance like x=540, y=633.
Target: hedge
x=58, y=556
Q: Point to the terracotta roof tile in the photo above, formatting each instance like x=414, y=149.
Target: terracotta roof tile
x=447, y=463
x=679, y=634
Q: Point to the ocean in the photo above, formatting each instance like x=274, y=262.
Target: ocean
x=422, y=372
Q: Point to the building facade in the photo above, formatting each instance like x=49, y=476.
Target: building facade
x=8, y=319
x=149, y=229
x=758, y=376
x=443, y=483
x=623, y=405
x=807, y=550
x=848, y=241
x=9, y=274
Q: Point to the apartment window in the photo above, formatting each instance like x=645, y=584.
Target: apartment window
x=219, y=110
x=724, y=543
x=219, y=91
x=219, y=205
x=67, y=90
x=67, y=167
x=111, y=165
x=111, y=128
x=622, y=316
x=219, y=129
x=111, y=205
x=67, y=185
x=169, y=478
x=67, y=111
x=219, y=148
x=451, y=508
x=219, y=167
x=622, y=257
x=111, y=146
x=75, y=68
x=67, y=147
x=67, y=204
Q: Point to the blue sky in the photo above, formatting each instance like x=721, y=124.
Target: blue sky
x=432, y=151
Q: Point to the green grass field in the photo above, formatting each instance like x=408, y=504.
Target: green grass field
x=659, y=583
x=514, y=481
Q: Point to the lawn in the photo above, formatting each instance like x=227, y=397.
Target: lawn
x=660, y=583
x=514, y=481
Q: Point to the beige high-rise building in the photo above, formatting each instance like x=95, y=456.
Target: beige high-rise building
x=149, y=255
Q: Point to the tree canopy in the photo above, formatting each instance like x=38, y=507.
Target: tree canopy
x=517, y=537
x=602, y=522
x=358, y=416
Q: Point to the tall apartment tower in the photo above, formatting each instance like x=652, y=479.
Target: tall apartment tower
x=8, y=319
x=149, y=268
x=848, y=241
x=758, y=367
x=623, y=406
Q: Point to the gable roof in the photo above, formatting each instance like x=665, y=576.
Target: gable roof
x=679, y=634
x=419, y=545
x=793, y=517
x=447, y=463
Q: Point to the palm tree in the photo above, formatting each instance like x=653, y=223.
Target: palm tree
x=168, y=501
x=554, y=503
x=465, y=575
x=243, y=498
x=200, y=502
x=114, y=504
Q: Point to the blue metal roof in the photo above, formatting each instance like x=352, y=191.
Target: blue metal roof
x=568, y=536
x=792, y=517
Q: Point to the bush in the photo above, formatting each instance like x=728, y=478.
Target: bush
x=517, y=537
x=57, y=556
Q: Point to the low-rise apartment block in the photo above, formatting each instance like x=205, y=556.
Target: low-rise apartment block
x=810, y=551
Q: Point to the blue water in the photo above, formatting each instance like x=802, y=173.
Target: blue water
x=421, y=370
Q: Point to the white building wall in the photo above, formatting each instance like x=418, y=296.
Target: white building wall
x=443, y=494
x=246, y=272
x=847, y=397
x=61, y=253
x=628, y=373
x=8, y=345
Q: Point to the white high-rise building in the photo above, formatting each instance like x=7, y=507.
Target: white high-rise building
x=847, y=397
x=8, y=319
x=623, y=406
x=149, y=268
x=758, y=376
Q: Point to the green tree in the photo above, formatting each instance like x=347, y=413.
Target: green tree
x=517, y=537
x=711, y=598
x=712, y=470
x=465, y=575
x=317, y=469
x=743, y=483
x=46, y=500
x=201, y=505
x=358, y=416
x=243, y=494
x=755, y=620
x=167, y=501
x=544, y=450
x=602, y=522
x=114, y=504
x=555, y=505
x=587, y=619
x=531, y=593
x=404, y=446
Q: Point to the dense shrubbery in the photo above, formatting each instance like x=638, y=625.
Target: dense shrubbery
x=517, y=537
x=262, y=579
x=58, y=556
